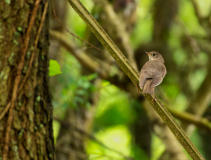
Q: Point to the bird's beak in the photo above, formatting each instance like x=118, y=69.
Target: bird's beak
x=147, y=53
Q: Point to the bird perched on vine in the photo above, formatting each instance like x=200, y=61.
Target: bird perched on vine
x=152, y=73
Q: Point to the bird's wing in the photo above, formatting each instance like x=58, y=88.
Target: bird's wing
x=144, y=71
x=154, y=69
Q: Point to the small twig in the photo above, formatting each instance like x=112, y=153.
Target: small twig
x=90, y=136
x=100, y=67
x=85, y=60
x=84, y=48
x=200, y=122
x=35, y=46
x=18, y=78
x=5, y=110
x=57, y=19
x=191, y=118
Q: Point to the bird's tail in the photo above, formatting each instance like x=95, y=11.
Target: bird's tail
x=148, y=88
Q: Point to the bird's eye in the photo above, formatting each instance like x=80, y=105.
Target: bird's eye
x=153, y=54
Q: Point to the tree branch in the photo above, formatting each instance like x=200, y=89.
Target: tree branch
x=18, y=79
x=192, y=119
x=172, y=145
x=85, y=60
x=133, y=75
x=117, y=30
x=93, y=66
x=202, y=99
x=79, y=38
x=103, y=69
x=203, y=94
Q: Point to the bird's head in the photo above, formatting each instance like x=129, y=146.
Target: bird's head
x=153, y=55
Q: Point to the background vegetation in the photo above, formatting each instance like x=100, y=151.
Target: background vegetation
x=98, y=112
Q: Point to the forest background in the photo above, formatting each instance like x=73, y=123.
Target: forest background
x=107, y=104
x=91, y=109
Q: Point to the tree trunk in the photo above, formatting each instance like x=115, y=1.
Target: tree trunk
x=26, y=129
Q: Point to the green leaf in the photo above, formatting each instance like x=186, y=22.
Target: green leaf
x=54, y=68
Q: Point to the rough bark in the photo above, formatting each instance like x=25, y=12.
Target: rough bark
x=31, y=133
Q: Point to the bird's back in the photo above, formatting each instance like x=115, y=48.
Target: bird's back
x=154, y=69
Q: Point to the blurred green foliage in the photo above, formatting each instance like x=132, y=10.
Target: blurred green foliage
x=143, y=28
x=114, y=113
x=117, y=138
x=114, y=108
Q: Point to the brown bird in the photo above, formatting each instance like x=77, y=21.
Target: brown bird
x=152, y=73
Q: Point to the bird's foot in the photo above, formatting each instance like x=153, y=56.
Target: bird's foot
x=153, y=98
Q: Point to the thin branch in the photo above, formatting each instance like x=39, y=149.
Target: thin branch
x=117, y=30
x=133, y=75
x=103, y=69
x=85, y=60
x=5, y=111
x=82, y=40
x=92, y=66
x=192, y=119
x=90, y=136
x=18, y=78
x=172, y=145
x=202, y=98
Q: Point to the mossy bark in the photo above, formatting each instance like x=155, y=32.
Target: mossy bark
x=31, y=134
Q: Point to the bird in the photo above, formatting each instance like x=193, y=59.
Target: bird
x=152, y=73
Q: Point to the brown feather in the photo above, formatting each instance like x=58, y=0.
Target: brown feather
x=147, y=88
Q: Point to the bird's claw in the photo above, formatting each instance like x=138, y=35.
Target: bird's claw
x=154, y=99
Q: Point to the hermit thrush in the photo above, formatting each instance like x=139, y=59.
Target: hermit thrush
x=152, y=73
